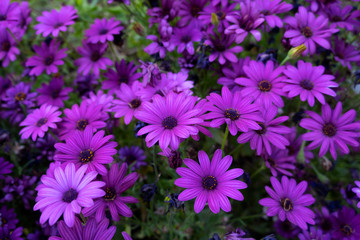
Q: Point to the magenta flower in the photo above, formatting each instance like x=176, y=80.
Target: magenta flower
x=86, y=148
x=288, y=201
x=221, y=11
x=210, y=183
x=124, y=73
x=314, y=234
x=271, y=133
x=170, y=118
x=221, y=48
x=342, y=17
x=263, y=83
x=183, y=38
x=345, y=224
x=308, y=82
x=13, y=234
x=345, y=53
x=245, y=21
x=307, y=29
x=133, y=156
x=115, y=184
x=157, y=46
x=356, y=190
x=129, y=102
x=53, y=93
x=77, y=118
x=126, y=236
x=5, y=167
x=238, y=112
x=47, y=59
x=280, y=162
x=102, y=30
x=331, y=130
x=91, y=230
x=8, y=49
x=23, y=21
x=102, y=99
x=66, y=193
x=39, y=121
x=92, y=58
x=55, y=21
x=269, y=8
x=189, y=11
x=230, y=74
x=9, y=12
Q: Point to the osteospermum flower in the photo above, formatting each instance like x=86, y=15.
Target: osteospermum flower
x=210, y=183
x=308, y=82
x=102, y=99
x=55, y=21
x=92, y=230
x=356, y=190
x=92, y=58
x=24, y=20
x=53, y=93
x=189, y=11
x=5, y=167
x=8, y=49
x=39, y=121
x=345, y=224
x=7, y=233
x=342, y=17
x=115, y=184
x=230, y=74
x=183, y=38
x=288, y=201
x=133, y=155
x=78, y=118
x=331, y=130
x=170, y=118
x=221, y=11
x=345, y=53
x=264, y=83
x=66, y=193
x=314, y=234
x=86, y=148
x=269, y=8
x=280, y=162
x=8, y=217
x=271, y=133
x=47, y=59
x=307, y=29
x=102, y=30
x=239, y=113
x=9, y=12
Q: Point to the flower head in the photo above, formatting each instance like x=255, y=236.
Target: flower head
x=356, y=190
x=346, y=224
x=9, y=12
x=345, y=53
x=210, y=183
x=8, y=217
x=102, y=30
x=183, y=38
x=8, y=49
x=269, y=8
x=133, y=155
x=288, y=201
x=314, y=234
x=5, y=167
x=189, y=11
x=53, y=93
x=7, y=233
x=230, y=74
x=280, y=162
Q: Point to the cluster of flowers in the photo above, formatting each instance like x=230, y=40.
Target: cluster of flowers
x=85, y=181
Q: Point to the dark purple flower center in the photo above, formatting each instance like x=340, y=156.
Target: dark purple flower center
x=3, y=221
x=209, y=182
x=195, y=10
x=347, y=230
x=123, y=78
x=58, y=24
x=48, y=60
x=169, y=122
x=103, y=31
x=247, y=22
x=5, y=46
x=185, y=38
x=326, y=224
x=41, y=122
x=219, y=47
x=221, y=15
x=307, y=84
x=175, y=159
x=20, y=96
x=86, y=156
x=262, y=130
x=286, y=204
x=110, y=194
x=266, y=12
x=81, y=124
x=95, y=56
x=2, y=17
x=55, y=93
x=70, y=195
x=265, y=86
x=306, y=31
x=130, y=158
x=231, y=113
x=329, y=129
x=135, y=103
x=272, y=162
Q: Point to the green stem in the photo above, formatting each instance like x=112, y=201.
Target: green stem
x=54, y=136
x=253, y=216
x=284, y=61
x=258, y=171
x=225, y=137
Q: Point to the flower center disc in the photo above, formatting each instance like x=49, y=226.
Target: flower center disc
x=307, y=84
x=110, y=194
x=262, y=130
x=95, y=56
x=49, y=60
x=209, y=182
x=286, y=204
x=233, y=114
x=41, y=122
x=103, y=31
x=81, y=124
x=20, y=96
x=169, y=122
x=265, y=86
x=306, y=31
x=70, y=195
x=134, y=103
x=329, y=130
x=86, y=156
x=5, y=46
x=347, y=230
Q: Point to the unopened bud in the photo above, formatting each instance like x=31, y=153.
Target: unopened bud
x=139, y=29
x=214, y=19
x=296, y=52
x=175, y=159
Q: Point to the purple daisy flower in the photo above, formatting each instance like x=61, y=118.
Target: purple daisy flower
x=280, y=162
x=5, y=84
x=346, y=224
x=314, y=234
x=157, y=47
x=210, y=183
x=129, y=102
x=78, y=118
x=102, y=99
x=86, y=83
x=331, y=130
x=115, y=184
x=92, y=58
x=239, y=113
x=102, y=30
x=264, y=83
x=66, y=193
x=86, y=148
x=6, y=233
x=245, y=21
x=345, y=53
x=288, y=201
x=167, y=10
x=23, y=21
x=236, y=71
x=55, y=21
x=221, y=12
x=126, y=236
x=307, y=29
x=133, y=155
x=221, y=48
x=8, y=49
x=5, y=167
x=342, y=17
x=189, y=11
x=53, y=93
x=39, y=121
x=183, y=38
x=271, y=133
x=170, y=119
x=286, y=229
x=269, y=8
x=92, y=230
x=323, y=220
x=125, y=73
x=9, y=13
x=48, y=57
x=8, y=217
x=356, y=190
x=308, y=82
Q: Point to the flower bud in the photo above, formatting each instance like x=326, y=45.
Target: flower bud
x=175, y=159
x=296, y=52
